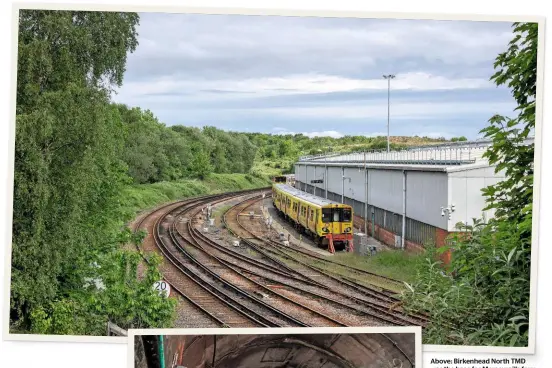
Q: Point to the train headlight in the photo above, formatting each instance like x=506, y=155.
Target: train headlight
x=347, y=230
x=325, y=229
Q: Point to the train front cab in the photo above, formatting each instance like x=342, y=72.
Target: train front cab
x=337, y=227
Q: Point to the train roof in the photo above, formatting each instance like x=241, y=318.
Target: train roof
x=307, y=197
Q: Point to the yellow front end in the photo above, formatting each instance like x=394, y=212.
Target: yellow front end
x=336, y=220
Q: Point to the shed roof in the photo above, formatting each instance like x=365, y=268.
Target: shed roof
x=319, y=201
x=406, y=167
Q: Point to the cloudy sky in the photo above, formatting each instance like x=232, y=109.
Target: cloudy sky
x=317, y=76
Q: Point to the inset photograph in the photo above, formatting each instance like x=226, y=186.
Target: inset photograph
x=265, y=348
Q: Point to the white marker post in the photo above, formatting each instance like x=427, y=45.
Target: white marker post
x=162, y=287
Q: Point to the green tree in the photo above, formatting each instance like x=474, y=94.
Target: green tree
x=60, y=47
x=69, y=174
x=517, y=68
x=459, y=139
x=484, y=300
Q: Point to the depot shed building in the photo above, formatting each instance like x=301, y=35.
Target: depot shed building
x=408, y=197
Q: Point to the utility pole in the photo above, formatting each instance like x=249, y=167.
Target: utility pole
x=365, y=196
x=342, y=184
x=315, y=178
x=388, y=77
x=326, y=173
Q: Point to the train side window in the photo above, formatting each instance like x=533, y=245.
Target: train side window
x=326, y=214
x=312, y=214
x=346, y=215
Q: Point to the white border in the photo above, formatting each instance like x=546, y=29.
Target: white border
x=530, y=349
x=416, y=330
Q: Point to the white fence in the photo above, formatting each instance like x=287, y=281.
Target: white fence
x=452, y=153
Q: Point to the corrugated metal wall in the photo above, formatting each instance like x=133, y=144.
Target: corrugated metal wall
x=385, y=189
x=416, y=231
x=426, y=192
x=465, y=193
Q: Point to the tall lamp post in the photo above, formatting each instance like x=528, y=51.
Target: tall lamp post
x=388, y=77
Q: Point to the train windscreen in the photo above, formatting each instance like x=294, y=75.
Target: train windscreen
x=346, y=215
x=336, y=215
x=326, y=215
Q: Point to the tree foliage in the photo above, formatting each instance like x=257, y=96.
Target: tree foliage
x=483, y=299
x=69, y=174
x=458, y=139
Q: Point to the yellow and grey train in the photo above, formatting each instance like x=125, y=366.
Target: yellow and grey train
x=328, y=223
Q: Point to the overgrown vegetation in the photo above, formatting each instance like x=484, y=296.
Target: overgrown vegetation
x=396, y=264
x=154, y=152
x=69, y=274
x=142, y=196
x=482, y=296
x=276, y=154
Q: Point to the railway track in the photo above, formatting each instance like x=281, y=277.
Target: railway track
x=206, y=299
x=296, y=312
x=196, y=313
x=356, y=295
x=233, y=289
x=199, y=275
x=320, y=302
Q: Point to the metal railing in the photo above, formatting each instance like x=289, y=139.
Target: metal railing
x=451, y=153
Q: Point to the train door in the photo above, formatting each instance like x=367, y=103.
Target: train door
x=287, y=205
x=337, y=218
x=312, y=219
x=295, y=210
x=307, y=222
x=316, y=217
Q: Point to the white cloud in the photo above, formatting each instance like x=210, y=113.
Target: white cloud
x=376, y=134
x=294, y=84
x=240, y=70
x=336, y=134
x=327, y=133
x=435, y=135
x=399, y=110
x=295, y=45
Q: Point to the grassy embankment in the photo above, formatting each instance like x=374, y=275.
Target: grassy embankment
x=396, y=264
x=143, y=196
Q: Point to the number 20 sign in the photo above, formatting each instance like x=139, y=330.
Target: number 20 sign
x=162, y=287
